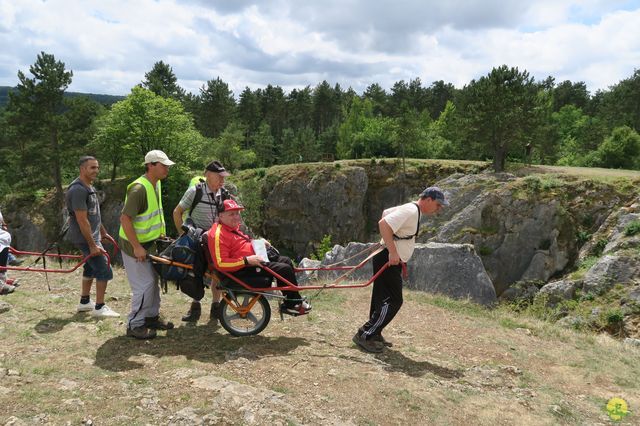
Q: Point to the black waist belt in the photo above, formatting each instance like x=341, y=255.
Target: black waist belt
x=395, y=237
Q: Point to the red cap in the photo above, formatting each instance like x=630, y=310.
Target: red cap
x=231, y=205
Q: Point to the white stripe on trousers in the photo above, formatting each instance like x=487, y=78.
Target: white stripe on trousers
x=383, y=314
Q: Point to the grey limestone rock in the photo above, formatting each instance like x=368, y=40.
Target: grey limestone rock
x=557, y=291
x=454, y=270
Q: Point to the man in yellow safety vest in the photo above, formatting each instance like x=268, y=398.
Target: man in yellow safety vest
x=141, y=224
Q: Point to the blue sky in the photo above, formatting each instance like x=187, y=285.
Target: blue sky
x=110, y=44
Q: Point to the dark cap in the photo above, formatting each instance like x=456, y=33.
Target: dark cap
x=435, y=194
x=217, y=167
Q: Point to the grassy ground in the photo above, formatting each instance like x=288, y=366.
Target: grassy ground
x=452, y=363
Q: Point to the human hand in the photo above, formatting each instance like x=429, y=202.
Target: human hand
x=255, y=260
x=94, y=250
x=394, y=259
x=140, y=254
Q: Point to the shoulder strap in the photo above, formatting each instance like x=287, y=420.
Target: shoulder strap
x=77, y=182
x=395, y=237
x=241, y=235
x=418, y=225
x=198, y=196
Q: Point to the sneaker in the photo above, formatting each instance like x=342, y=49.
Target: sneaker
x=367, y=345
x=104, y=312
x=6, y=288
x=299, y=308
x=156, y=323
x=13, y=281
x=382, y=340
x=193, y=314
x=141, y=333
x=86, y=307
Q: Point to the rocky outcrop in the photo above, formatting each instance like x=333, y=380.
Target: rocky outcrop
x=518, y=239
x=616, y=247
x=329, y=202
x=345, y=200
x=524, y=229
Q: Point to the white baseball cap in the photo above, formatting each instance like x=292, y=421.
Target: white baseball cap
x=157, y=156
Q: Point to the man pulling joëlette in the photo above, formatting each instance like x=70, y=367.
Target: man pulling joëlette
x=399, y=227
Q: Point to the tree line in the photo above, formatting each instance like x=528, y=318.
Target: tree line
x=503, y=116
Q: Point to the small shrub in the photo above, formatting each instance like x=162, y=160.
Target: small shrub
x=485, y=251
x=598, y=247
x=632, y=229
x=586, y=297
x=613, y=316
x=583, y=237
x=583, y=267
x=324, y=247
x=532, y=183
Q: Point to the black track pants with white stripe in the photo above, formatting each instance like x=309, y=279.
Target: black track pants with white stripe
x=386, y=298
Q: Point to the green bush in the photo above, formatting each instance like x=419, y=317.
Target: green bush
x=632, y=229
x=613, y=316
x=599, y=246
x=325, y=246
x=583, y=237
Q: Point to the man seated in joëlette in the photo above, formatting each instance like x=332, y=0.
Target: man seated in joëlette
x=232, y=251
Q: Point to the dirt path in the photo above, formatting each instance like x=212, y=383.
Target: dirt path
x=450, y=364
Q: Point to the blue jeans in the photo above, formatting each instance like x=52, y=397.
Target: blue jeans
x=97, y=266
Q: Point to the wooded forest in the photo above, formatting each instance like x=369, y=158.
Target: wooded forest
x=503, y=116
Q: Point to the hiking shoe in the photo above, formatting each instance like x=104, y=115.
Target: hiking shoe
x=141, y=333
x=16, y=262
x=193, y=314
x=156, y=323
x=86, y=307
x=6, y=288
x=104, y=312
x=214, y=312
x=367, y=345
x=382, y=340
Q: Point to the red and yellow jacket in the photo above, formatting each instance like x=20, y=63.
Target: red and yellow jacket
x=228, y=247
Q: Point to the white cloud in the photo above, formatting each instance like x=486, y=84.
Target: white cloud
x=110, y=45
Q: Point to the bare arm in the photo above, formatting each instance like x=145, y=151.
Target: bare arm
x=387, y=236
x=127, y=226
x=177, y=218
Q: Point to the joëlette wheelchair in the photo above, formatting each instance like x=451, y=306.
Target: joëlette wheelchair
x=244, y=308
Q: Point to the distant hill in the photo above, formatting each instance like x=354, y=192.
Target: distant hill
x=103, y=99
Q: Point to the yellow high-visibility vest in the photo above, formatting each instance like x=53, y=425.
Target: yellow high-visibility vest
x=196, y=180
x=149, y=225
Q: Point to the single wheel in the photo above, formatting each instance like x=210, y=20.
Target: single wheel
x=248, y=317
